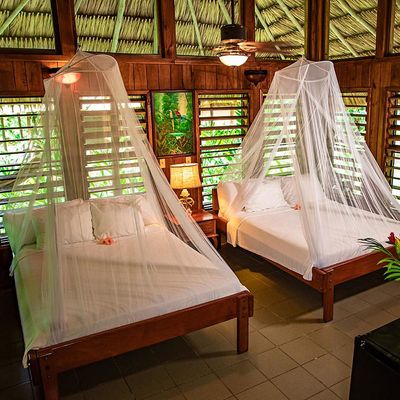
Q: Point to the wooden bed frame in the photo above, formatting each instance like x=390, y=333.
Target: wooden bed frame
x=46, y=363
x=323, y=279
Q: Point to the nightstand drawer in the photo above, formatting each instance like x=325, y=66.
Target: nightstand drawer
x=208, y=227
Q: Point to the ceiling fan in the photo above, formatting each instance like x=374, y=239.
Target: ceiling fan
x=234, y=49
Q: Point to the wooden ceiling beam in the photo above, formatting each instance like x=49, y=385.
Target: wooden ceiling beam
x=266, y=28
x=385, y=27
x=356, y=16
x=118, y=25
x=196, y=26
x=13, y=15
x=64, y=26
x=291, y=17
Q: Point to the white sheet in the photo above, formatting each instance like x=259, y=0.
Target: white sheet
x=173, y=287
x=278, y=236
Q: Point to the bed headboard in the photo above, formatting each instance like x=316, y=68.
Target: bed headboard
x=215, y=204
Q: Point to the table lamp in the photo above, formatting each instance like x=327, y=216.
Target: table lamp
x=185, y=176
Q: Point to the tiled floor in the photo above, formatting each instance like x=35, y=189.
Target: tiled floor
x=293, y=355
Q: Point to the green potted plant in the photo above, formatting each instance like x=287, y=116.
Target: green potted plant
x=390, y=262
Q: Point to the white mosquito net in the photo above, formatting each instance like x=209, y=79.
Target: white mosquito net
x=304, y=140
x=102, y=240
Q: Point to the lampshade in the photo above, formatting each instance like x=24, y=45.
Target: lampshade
x=233, y=60
x=68, y=78
x=185, y=176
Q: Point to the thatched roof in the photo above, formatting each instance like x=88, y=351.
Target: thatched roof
x=358, y=37
x=352, y=32
x=32, y=28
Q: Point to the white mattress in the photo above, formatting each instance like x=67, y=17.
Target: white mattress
x=277, y=234
x=164, y=288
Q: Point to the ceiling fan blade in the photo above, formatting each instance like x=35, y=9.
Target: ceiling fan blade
x=269, y=47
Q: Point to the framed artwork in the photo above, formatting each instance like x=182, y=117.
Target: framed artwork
x=173, y=123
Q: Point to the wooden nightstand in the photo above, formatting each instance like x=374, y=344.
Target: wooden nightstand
x=208, y=224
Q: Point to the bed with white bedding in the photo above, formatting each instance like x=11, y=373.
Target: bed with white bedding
x=272, y=227
x=170, y=288
x=277, y=234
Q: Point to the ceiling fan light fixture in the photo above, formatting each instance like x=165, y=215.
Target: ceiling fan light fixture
x=233, y=59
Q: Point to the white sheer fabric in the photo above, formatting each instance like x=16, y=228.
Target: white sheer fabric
x=303, y=130
x=95, y=178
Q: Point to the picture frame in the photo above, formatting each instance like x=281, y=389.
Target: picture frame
x=173, y=123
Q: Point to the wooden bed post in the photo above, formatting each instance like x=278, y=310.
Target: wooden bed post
x=328, y=296
x=243, y=313
x=33, y=362
x=49, y=378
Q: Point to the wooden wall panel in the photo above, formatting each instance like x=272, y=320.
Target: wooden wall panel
x=164, y=77
x=7, y=83
x=140, y=76
x=187, y=77
x=19, y=76
x=23, y=77
x=176, y=76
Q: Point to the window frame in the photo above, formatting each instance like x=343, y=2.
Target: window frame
x=385, y=149
x=3, y=236
x=368, y=119
x=221, y=92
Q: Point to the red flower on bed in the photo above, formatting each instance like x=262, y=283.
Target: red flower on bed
x=392, y=238
x=107, y=240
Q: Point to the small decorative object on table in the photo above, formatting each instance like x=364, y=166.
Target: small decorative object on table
x=185, y=176
x=391, y=262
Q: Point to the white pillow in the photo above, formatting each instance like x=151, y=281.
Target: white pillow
x=73, y=223
x=148, y=213
x=138, y=200
x=226, y=192
x=13, y=221
x=310, y=185
x=289, y=191
x=266, y=195
x=115, y=217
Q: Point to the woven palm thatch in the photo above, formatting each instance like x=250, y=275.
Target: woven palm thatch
x=396, y=35
x=209, y=17
x=96, y=21
x=32, y=28
x=280, y=25
x=355, y=34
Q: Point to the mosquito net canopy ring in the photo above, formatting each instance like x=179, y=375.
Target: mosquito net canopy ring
x=102, y=240
x=304, y=138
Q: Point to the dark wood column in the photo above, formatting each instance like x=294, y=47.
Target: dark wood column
x=247, y=18
x=385, y=27
x=317, y=29
x=64, y=26
x=167, y=35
